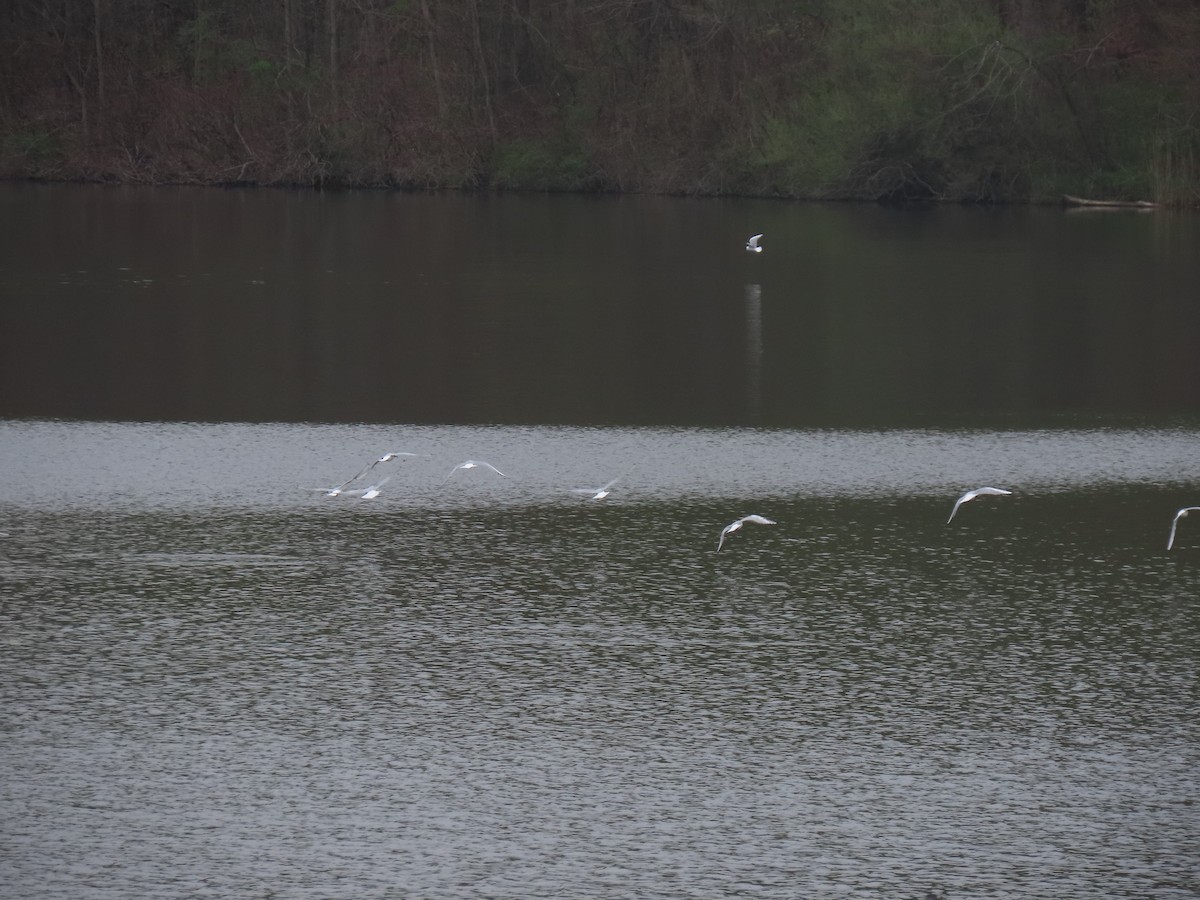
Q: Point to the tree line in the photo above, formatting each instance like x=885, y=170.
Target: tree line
x=896, y=100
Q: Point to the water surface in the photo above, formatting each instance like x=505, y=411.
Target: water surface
x=217, y=681
x=233, y=305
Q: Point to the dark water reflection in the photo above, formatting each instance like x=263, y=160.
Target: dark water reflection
x=210, y=305
x=216, y=682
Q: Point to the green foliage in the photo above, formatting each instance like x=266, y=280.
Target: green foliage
x=33, y=147
x=811, y=150
x=893, y=99
x=873, y=116
x=200, y=38
x=263, y=69
x=527, y=164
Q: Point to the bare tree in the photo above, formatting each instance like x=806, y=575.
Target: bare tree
x=433, y=60
x=96, y=20
x=332, y=10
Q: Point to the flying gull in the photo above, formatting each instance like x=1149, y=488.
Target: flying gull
x=471, y=464
x=597, y=493
x=1182, y=514
x=340, y=489
x=735, y=526
x=971, y=495
x=752, y=244
x=371, y=492
x=387, y=457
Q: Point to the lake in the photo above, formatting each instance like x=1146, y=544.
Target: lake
x=234, y=305
x=219, y=681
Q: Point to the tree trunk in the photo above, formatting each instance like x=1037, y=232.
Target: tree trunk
x=483, y=70
x=433, y=60
x=333, y=54
x=287, y=35
x=99, y=67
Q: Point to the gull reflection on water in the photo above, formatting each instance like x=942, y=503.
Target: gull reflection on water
x=754, y=352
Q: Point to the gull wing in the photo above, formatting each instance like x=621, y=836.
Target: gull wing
x=471, y=464
x=369, y=466
x=725, y=531
x=1175, y=522
x=969, y=495
x=598, y=490
x=365, y=469
x=735, y=526
x=363, y=492
x=759, y=520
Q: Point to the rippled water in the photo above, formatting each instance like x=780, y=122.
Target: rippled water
x=217, y=682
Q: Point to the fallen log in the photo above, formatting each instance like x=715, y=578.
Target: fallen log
x=1069, y=200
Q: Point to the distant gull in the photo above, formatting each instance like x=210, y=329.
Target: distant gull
x=752, y=244
x=735, y=526
x=971, y=495
x=335, y=491
x=340, y=489
x=371, y=492
x=1182, y=514
x=387, y=457
x=472, y=464
x=597, y=493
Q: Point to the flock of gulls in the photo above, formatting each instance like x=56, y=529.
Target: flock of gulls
x=753, y=245
x=371, y=491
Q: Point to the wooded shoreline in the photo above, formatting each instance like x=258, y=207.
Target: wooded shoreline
x=981, y=101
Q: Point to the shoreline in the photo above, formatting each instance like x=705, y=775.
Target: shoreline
x=1066, y=201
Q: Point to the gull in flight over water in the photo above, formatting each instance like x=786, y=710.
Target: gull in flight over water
x=387, y=457
x=1182, y=514
x=340, y=489
x=335, y=491
x=752, y=244
x=971, y=495
x=735, y=526
x=597, y=493
x=369, y=493
x=472, y=464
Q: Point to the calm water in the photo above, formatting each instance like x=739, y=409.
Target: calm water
x=217, y=682
x=212, y=305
